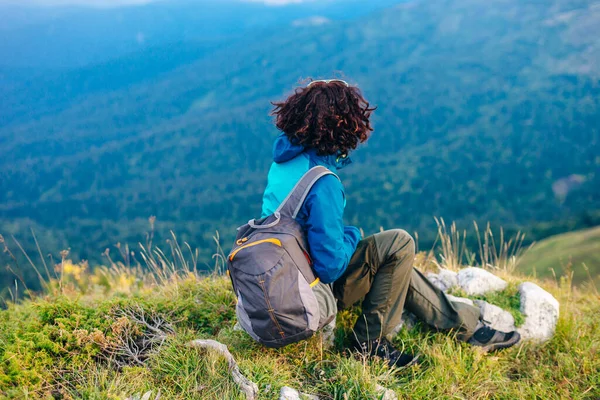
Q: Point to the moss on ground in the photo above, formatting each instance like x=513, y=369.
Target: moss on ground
x=508, y=299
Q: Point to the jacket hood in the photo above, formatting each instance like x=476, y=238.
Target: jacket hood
x=284, y=150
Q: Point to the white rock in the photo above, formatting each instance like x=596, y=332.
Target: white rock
x=435, y=279
x=387, y=394
x=450, y=278
x=541, y=311
x=497, y=318
x=475, y=281
x=287, y=393
x=460, y=300
x=444, y=280
x=238, y=327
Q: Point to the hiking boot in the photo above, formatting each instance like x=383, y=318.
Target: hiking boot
x=490, y=339
x=384, y=349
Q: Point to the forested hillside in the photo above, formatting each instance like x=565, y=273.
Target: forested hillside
x=486, y=111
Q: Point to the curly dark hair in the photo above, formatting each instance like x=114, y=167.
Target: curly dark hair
x=332, y=118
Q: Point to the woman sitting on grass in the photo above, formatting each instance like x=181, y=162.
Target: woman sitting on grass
x=321, y=124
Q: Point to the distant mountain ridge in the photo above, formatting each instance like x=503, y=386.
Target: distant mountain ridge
x=481, y=108
x=66, y=37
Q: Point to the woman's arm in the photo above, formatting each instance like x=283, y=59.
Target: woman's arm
x=331, y=244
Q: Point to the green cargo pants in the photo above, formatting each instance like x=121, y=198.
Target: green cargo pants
x=382, y=276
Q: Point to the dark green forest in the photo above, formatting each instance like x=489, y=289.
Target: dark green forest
x=487, y=111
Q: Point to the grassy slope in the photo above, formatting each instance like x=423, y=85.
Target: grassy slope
x=56, y=346
x=557, y=252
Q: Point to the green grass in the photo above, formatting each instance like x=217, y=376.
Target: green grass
x=562, y=253
x=507, y=299
x=61, y=345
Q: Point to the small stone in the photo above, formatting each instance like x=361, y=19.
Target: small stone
x=408, y=321
x=328, y=335
x=287, y=393
x=387, y=394
x=460, y=300
x=497, y=318
x=444, y=280
x=476, y=281
x=541, y=311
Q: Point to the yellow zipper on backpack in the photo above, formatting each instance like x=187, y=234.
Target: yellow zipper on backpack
x=274, y=241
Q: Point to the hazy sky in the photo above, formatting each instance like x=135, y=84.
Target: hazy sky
x=93, y=3
x=117, y=3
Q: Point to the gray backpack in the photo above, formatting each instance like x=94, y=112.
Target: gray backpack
x=272, y=276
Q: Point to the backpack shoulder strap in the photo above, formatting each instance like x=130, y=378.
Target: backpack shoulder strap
x=292, y=204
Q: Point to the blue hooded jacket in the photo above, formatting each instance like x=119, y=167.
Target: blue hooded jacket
x=331, y=244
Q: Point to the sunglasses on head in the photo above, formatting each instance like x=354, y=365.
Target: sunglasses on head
x=327, y=81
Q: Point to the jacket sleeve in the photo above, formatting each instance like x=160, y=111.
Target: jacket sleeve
x=331, y=244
